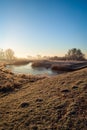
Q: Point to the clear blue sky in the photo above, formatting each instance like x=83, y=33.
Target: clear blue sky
x=46, y=27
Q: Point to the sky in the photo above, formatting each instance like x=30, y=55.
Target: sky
x=44, y=27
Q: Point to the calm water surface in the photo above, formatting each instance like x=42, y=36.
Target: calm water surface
x=28, y=69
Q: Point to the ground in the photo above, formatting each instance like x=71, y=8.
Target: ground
x=43, y=103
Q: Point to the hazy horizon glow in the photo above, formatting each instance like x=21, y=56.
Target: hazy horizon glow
x=45, y=27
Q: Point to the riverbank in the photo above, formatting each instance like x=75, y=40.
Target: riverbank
x=57, y=66
x=44, y=67
x=43, y=103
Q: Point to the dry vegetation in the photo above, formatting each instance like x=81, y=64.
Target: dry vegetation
x=41, y=63
x=10, y=81
x=60, y=65
x=43, y=103
x=69, y=67
x=57, y=67
x=20, y=62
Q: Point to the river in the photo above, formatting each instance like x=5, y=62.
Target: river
x=28, y=69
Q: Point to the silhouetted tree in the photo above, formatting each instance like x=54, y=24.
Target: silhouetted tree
x=75, y=54
x=9, y=54
x=1, y=54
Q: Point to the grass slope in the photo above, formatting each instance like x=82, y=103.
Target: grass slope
x=47, y=103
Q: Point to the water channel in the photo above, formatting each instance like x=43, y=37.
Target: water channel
x=28, y=69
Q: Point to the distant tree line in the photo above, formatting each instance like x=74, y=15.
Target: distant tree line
x=8, y=54
x=72, y=54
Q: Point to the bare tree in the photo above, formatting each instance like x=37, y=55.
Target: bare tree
x=9, y=54
x=1, y=54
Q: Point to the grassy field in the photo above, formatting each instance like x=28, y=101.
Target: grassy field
x=43, y=103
